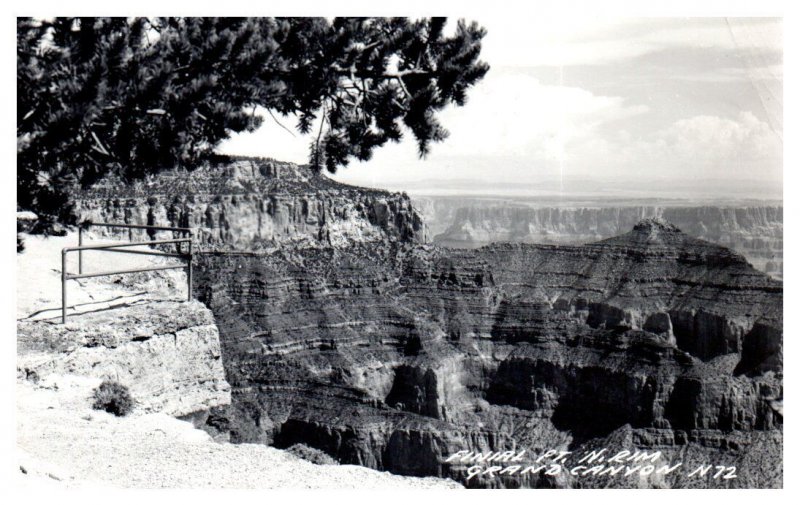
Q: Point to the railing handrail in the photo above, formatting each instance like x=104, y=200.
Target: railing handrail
x=119, y=248
x=88, y=223
x=117, y=245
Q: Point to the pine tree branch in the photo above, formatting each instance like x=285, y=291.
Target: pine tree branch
x=102, y=149
x=279, y=123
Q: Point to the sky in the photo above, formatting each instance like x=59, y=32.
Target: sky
x=585, y=104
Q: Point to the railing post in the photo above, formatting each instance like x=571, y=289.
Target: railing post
x=63, y=286
x=189, y=273
x=80, y=252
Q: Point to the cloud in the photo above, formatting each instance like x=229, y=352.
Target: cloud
x=577, y=134
x=561, y=41
x=525, y=131
x=546, y=118
x=508, y=114
x=741, y=146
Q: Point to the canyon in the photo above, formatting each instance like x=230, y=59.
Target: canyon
x=342, y=328
x=753, y=228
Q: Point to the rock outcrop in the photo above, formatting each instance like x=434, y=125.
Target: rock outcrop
x=166, y=352
x=395, y=356
x=254, y=203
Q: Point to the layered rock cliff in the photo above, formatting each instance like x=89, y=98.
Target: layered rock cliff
x=254, y=203
x=395, y=356
x=340, y=329
x=754, y=231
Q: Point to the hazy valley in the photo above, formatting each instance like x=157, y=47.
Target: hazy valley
x=752, y=227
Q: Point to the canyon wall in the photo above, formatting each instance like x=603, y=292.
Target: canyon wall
x=252, y=204
x=396, y=357
x=756, y=231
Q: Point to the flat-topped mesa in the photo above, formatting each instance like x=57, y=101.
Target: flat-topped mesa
x=254, y=203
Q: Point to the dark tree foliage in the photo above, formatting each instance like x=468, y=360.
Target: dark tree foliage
x=135, y=96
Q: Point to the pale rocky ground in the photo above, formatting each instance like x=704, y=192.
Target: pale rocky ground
x=137, y=329
x=62, y=440
x=39, y=278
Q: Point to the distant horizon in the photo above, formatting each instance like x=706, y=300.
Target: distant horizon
x=596, y=186
x=599, y=187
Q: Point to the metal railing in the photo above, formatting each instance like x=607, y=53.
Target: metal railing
x=118, y=248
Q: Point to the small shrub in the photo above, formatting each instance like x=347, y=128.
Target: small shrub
x=311, y=454
x=113, y=397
